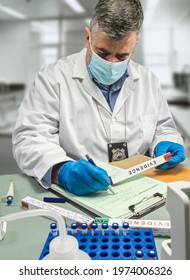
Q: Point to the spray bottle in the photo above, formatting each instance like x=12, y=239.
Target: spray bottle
x=62, y=247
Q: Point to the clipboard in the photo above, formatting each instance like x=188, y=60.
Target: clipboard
x=141, y=192
x=139, y=213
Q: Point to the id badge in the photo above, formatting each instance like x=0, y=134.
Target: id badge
x=117, y=151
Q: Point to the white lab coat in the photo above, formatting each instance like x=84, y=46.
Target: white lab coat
x=64, y=116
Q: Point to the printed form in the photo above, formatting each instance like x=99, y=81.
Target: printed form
x=136, y=193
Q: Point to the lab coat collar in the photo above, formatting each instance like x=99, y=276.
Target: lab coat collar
x=81, y=72
x=133, y=73
x=127, y=89
x=129, y=85
x=80, y=68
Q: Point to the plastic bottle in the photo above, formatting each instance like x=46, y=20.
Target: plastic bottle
x=62, y=247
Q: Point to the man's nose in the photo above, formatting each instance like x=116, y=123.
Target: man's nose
x=112, y=59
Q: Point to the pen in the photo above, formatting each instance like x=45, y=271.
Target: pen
x=92, y=162
x=54, y=199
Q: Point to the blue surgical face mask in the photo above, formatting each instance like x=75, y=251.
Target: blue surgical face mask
x=106, y=72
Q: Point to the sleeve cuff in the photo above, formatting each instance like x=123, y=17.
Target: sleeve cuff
x=46, y=180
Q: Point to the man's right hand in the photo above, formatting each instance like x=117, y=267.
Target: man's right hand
x=82, y=178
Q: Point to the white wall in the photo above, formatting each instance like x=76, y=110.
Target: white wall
x=14, y=51
x=33, y=58
x=182, y=44
x=73, y=37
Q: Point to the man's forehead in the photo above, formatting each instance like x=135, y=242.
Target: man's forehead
x=103, y=42
x=102, y=36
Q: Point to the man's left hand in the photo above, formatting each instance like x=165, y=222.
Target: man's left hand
x=177, y=151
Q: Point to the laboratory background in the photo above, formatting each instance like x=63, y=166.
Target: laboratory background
x=34, y=33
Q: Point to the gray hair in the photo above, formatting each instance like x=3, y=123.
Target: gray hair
x=117, y=18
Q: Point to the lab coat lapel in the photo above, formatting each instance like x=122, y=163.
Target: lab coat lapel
x=81, y=72
x=124, y=94
x=127, y=89
x=95, y=92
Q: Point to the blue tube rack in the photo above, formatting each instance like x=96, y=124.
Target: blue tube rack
x=111, y=245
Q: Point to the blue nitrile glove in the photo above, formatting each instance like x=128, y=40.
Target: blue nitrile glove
x=81, y=177
x=177, y=151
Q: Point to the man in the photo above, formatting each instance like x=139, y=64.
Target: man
x=97, y=102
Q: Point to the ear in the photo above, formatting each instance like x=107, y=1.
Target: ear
x=87, y=35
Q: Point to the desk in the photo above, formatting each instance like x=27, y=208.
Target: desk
x=25, y=238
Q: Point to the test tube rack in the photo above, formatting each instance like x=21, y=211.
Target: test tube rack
x=111, y=244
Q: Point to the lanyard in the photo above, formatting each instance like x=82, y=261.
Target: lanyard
x=116, y=151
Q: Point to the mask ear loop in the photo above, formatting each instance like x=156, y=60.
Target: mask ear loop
x=90, y=43
x=93, y=52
